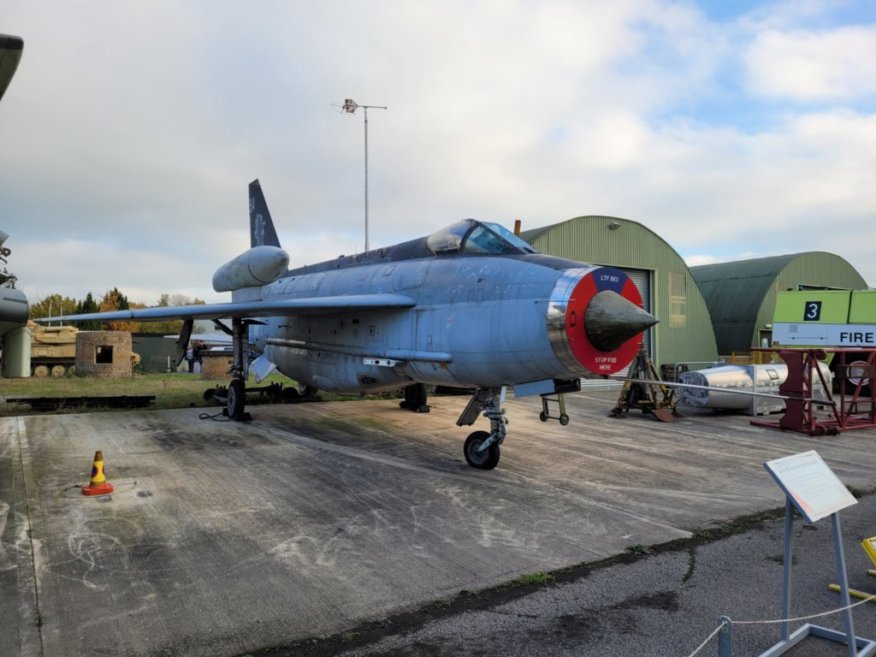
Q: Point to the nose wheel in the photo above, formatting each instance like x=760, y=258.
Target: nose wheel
x=480, y=452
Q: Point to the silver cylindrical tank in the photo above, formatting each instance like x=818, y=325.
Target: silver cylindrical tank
x=741, y=379
x=16, y=353
x=14, y=309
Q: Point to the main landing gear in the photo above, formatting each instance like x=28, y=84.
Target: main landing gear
x=415, y=398
x=235, y=400
x=235, y=397
x=481, y=448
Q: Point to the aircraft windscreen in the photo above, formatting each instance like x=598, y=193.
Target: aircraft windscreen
x=449, y=240
x=470, y=236
x=495, y=239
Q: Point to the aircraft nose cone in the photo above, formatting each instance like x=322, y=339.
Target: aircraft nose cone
x=611, y=320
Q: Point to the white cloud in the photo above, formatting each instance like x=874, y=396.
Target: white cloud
x=696, y=260
x=133, y=131
x=833, y=65
x=74, y=267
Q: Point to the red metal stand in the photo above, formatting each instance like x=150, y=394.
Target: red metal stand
x=827, y=416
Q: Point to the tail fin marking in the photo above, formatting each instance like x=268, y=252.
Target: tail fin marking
x=261, y=227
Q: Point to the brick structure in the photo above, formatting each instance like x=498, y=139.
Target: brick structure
x=105, y=354
x=215, y=365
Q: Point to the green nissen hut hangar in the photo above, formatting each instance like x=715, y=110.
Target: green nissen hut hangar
x=741, y=295
x=684, y=334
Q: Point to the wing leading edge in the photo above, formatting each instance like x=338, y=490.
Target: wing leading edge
x=244, y=309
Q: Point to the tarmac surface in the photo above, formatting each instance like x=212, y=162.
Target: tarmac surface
x=665, y=604
x=343, y=518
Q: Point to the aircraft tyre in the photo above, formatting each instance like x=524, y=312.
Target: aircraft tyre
x=485, y=460
x=236, y=400
x=415, y=397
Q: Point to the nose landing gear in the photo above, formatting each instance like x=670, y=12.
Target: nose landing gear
x=481, y=448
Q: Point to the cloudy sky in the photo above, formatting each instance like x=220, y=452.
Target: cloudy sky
x=733, y=129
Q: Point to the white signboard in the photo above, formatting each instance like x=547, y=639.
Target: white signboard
x=825, y=335
x=810, y=484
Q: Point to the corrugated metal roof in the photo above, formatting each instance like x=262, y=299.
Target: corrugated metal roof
x=740, y=295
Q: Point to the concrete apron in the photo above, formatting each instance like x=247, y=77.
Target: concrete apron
x=221, y=538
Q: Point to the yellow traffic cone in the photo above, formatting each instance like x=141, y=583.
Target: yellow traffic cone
x=98, y=485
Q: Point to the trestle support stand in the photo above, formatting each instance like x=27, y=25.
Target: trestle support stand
x=644, y=389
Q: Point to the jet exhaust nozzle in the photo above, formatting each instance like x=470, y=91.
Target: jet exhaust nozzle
x=611, y=320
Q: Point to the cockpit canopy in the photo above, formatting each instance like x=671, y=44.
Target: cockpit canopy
x=476, y=237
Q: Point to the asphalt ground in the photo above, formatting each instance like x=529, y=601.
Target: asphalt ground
x=361, y=522
x=666, y=602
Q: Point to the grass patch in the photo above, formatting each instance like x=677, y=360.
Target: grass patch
x=174, y=390
x=533, y=579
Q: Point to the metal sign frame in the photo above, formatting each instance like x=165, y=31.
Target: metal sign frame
x=810, y=486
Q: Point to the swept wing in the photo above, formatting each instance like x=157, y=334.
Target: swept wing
x=247, y=309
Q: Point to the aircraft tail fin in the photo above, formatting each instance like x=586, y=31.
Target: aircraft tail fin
x=261, y=227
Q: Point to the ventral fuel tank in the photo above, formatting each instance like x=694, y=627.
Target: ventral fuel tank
x=259, y=265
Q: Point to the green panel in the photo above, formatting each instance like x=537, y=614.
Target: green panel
x=832, y=306
x=863, y=310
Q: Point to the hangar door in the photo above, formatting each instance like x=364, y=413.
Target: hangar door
x=642, y=279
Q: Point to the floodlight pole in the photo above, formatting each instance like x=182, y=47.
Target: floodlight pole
x=350, y=106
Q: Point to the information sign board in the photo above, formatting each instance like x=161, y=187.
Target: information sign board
x=810, y=484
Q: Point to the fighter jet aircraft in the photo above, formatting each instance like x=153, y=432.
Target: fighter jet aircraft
x=471, y=305
x=10, y=54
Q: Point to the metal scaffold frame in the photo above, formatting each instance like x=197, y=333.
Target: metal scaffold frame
x=845, y=411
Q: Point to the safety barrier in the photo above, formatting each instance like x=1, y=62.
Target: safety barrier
x=724, y=631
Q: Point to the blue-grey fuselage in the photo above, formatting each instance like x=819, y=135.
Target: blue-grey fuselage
x=486, y=310
x=476, y=321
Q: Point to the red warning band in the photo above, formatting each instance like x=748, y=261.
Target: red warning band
x=600, y=362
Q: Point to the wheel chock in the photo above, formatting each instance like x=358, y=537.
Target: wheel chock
x=869, y=545
x=98, y=484
x=855, y=593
